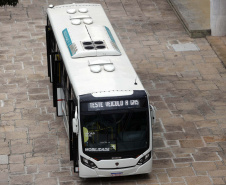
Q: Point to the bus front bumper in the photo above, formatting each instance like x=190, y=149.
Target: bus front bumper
x=85, y=172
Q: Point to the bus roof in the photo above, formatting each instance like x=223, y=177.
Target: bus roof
x=92, y=71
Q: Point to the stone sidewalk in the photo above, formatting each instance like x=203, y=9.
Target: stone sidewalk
x=188, y=89
x=194, y=15
x=219, y=46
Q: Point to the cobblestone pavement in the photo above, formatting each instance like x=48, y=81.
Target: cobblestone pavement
x=219, y=46
x=187, y=88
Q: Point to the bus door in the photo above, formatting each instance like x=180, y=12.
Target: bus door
x=74, y=137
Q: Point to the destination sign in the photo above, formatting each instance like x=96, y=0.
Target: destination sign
x=107, y=105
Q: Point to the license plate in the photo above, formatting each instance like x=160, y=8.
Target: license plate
x=117, y=174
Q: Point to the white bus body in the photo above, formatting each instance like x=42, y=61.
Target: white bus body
x=104, y=105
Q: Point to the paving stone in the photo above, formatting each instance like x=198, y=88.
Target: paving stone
x=184, y=85
x=175, y=135
x=24, y=123
x=218, y=181
x=157, y=128
x=43, y=128
x=10, y=116
x=32, y=169
x=61, y=173
x=4, y=159
x=4, y=183
x=163, y=163
x=194, y=117
x=16, y=135
x=4, y=176
x=217, y=173
x=16, y=168
x=7, y=129
x=177, y=179
x=210, y=139
x=206, y=123
x=204, y=132
x=4, y=145
x=45, y=146
x=46, y=181
x=164, y=154
x=158, y=143
x=185, y=106
x=35, y=160
x=183, y=160
x=192, y=133
x=39, y=97
x=191, y=143
x=21, y=179
x=41, y=175
x=199, y=180
x=182, y=165
x=210, y=149
x=163, y=177
x=204, y=166
x=16, y=159
x=206, y=157
x=48, y=168
x=172, y=143
x=173, y=128
x=163, y=113
x=21, y=149
x=180, y=172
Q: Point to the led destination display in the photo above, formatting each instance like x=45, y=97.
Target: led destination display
x=107, y=105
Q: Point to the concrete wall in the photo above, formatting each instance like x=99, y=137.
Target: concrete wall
x=218, y=17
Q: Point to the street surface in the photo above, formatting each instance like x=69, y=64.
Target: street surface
x=187, y=88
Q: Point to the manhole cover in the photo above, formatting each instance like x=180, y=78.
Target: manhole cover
x=185, y=47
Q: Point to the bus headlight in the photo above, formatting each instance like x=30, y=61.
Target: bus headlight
x=144, y=159
x=88, y=163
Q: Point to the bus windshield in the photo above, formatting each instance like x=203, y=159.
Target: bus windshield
x=117, y=131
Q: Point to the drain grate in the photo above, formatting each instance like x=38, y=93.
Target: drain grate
x=185, y=47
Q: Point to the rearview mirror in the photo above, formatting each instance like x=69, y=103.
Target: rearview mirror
x=153, y=118
x=75, y=122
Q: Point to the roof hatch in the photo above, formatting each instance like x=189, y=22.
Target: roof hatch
x=89, y=41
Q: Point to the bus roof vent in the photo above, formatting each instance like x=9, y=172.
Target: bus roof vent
x=96, y=65
x=71, y=11
x=109, y=67
x=88, y=40
x=76, y=21
x=95, y=68
x=83, y=10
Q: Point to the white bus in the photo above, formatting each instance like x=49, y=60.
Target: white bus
x=104, y=106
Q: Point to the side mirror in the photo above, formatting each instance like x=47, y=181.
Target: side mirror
x=75, y=122
x=153, y=117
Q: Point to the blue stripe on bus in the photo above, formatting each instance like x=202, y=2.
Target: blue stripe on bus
x=67, y=39
x=111, y=37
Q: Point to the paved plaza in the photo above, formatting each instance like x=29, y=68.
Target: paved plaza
x=188, y=89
